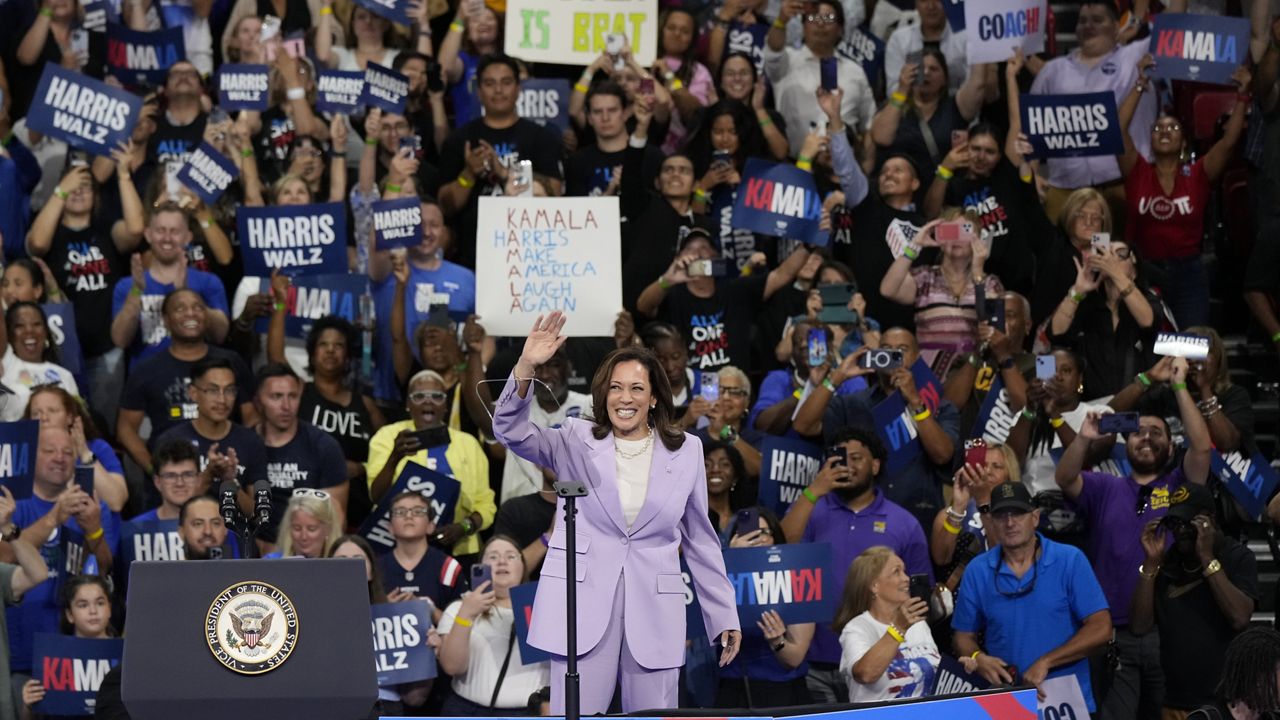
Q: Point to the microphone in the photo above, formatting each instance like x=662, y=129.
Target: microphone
x=227, y=495
x=262, y=501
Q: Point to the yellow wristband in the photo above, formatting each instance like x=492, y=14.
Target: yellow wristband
x=62, y=194
x=923, y=415
x=944, y=173
x=895, y=633
x=581, y=87
x=463, y=181
x=779, y=23
x=946, y=525
x=94, y=535
x=459, y=620
x=457, y=25
x=804, y=165
x=898, y=99
x=677, y=85
x=1056, y=423
x=975, y=654
x=326, y=10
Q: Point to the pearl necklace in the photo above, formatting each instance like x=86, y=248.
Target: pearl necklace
x=648, y=441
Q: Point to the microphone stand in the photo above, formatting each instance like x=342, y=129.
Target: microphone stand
x=571, y=490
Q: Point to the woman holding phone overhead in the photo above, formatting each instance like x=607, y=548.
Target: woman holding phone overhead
x=647, y=495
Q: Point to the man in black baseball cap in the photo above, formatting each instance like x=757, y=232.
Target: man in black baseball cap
x=1198, y=595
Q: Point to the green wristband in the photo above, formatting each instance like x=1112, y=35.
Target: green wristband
x=809, y=496
x=1179, y=386
x=1144, y=380
x=1275, y=338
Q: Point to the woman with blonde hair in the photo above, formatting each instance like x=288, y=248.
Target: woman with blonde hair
x=959, y=530
x=887, y=650
x=309, y=526
x=1084, y=214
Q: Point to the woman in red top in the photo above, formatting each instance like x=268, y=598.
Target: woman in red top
x=1167, y=199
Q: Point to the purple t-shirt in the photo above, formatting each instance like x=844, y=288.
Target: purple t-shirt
x=1110, y=506
x=883, y=522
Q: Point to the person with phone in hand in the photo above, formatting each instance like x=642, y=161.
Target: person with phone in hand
x=963, y=529
x=1117, y=509
x=647, y=495
x=426, y=439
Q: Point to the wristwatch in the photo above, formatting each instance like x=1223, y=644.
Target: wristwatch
x=10, y=533
x=1214, y=567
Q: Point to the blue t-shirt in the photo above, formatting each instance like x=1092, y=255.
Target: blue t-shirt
x=105, y=455
x=152, y=335
x=1060, y=592
x=466, y=104
x=776, y=387
x=451, y=284
x=65, y=554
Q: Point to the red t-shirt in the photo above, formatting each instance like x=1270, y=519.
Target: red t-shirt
x=1171, y=226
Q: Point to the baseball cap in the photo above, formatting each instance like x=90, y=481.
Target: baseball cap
x=1189, y=500
x=1011, y=496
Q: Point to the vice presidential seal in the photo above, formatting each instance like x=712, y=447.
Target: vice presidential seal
x=251, y=627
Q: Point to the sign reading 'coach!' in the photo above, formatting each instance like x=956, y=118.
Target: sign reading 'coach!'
x=296, y=239
x=997, y=27
x=81, y=111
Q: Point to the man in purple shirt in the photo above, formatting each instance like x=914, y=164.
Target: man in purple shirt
x=843, y=507
x=1116, y=510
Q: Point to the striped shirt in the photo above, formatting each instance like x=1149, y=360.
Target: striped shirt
x=943, y=321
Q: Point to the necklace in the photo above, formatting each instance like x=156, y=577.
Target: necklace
x=648, y=440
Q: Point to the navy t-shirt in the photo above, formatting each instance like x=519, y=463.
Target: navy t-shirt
x=436, y=576
x=158, y=387
x=250, y=452
x=311, y=459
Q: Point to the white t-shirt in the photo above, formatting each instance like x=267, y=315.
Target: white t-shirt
x=490, y=637
x=522, y=477
x=20, y=376
x=910, y=674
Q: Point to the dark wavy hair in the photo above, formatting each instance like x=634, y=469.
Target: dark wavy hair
x=745, y=486
x=37, y=275
x=50, y=353
x=67, y=596
x=750, y=140
x=662, y=416
x=343, y=327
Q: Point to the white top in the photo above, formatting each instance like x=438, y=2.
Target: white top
x=523, y=477
x=21, y=376
x=490, y=637
x=1038, y=471
x=910, y=674
x=907, y=39
x=346, y=58
x=633, y=474
x=795, y=76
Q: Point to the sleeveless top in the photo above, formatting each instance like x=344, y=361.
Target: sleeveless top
x=350, y=425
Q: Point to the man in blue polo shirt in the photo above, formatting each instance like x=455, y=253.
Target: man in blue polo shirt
x=1037, y=602
x=843, y=507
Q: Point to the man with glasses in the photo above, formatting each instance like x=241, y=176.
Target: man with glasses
x=1117, y=510
x=415, y=569
x=299, y=455
x=177, y=478
x=1036, y=602
x=180, y=128
x=795, y=74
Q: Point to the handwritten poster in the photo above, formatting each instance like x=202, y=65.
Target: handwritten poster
x=573, y=32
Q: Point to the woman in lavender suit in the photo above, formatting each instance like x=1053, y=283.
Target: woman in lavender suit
x=647, y=503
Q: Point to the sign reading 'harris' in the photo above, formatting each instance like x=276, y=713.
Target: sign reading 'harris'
x=1080, y=125
x=83, y=112
x=296, y=239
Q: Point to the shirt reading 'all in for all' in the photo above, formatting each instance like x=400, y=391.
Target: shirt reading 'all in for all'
x=910, y=672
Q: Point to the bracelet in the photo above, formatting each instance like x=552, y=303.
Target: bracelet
x=895, y=633
x=463, y=181
x=805, y=165
x=778, y=23
x=898, y=99
x=975, y=654
x=62, y=195
x=1142, y=379
x=826, y=383
x=46, y=12
x=458, y=25
x=546, y=541
x=295, y=93
x=946, y=525
x=135, y=290
x=1126, y=292
x=1028, y=413
x=922, y=415
x=94, y=535
x=910, y=252
x=1075, y=296
x=803, y=159
x=1148, y=574
x=700, y=194
x=663, y=283
x=467, y=526
x=1275, y=338
x=1179, y=386
x=391, y=187
x=206, y=224
x=459, y=620
x=954, y=514
x=581, y=87
x=248, y=152
x=1056, y=423
x=677, y=84
x=782, y=642
x=425, y=32
x=764, y=121
x=371, y=141
x=326, y=10
x=808, y=495
x=944, y=173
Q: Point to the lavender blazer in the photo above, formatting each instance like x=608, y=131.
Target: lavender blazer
x=673, y=518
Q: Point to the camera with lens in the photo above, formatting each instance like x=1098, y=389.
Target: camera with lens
x=881, y=359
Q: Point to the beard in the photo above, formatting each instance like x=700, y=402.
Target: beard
x=1141, y=466
x=849, y=494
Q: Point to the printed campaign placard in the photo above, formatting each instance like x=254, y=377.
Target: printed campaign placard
x=208, y=173
x=998, y=27
x=996, y=416
x=83, y=112
x=311, y=297
x=573, y=32
x=1081, y=125
x=863, y=48
x=62, y=328
x=955, y=14
x=1250, y=479
x=1063, y=699
x=151, y=540
x=1007, y=705
x=1183, y=345
x=522, y=607
x=787, y=467
x=71, y=670
x=385, y=88
x=139, y=57
x=96, y=16
x=440, y=491
x=537, y=255
x=895, y=424
x=394, y=10
x=397, y=223
x=789, y=579
x=340, y=91
x=244, y=87
x=1203, y=48
x=952, y=679
x=779, y=199
x=545, y=101
x=18, y=443
x=296, y=239
x=400, y=650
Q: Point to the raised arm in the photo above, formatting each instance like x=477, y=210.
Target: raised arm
x=1216, y=160
x=1126, y=112
x=972, y=93
x=1072, y=464
x=884, y=126
x=1195, y=462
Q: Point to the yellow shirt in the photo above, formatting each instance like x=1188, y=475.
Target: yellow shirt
x=467, y=464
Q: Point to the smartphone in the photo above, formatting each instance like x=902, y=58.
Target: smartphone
x=840, y=453
x=435, y=81
x=523, y=178
x=955, y=232
x=1101, y=243
x=881, y=359
x=721, y=157
x=295, y=45
x=481, y=573
x=84, y=478
x=172, y=188
x=975, y=452
x=413, y=142
x=995, y=314
x=80, y=43
x=920, y=587
x=709, y=386
x=1118, y=423
x=613, y=43
x=959, y=137
x=914, y=58
x=78, y=158
x=708, y=268
x=270, y=28
x=646, y=86
x=835, y=304
x=218, y=115
x=827, y=70
x=817, y=346
x=432, y=437
x=1046, y=367
x=748, y=521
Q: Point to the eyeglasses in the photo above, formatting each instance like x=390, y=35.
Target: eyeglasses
x=734, y=392
x=825, y=19
x=308, y=492
x=411, y=512
x=179, y=477
x=434, y=396
x=228, y=391
x=1020, y=591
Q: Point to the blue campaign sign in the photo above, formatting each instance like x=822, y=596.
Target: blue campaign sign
x=996, y=417
x=151, y=540
x=1251, y=480
x=955, y=14
x=83, y=112
x=1203, y=48
x=18, y=443
x=440, y=491
x=400, y=650
x=208, y=173
x=952, y=679
x=71, y=669
x=694, y=628
x=895, y=425
x=864, y=48
x=96, y=16
x=340, y=91
x=139, y=57
x=545, y=102
x=296, y=239
x=244, y=87
x=385, y=88
x=394, y=10
x=787, y=467
x=779, y=199
x=62, y=324
x=1008, y=705
x=311, y=297
x=522, y=606
x=790, y=579
x=397, y=223
x=1080, y=125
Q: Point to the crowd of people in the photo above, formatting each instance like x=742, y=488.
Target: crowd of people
x=959, y=272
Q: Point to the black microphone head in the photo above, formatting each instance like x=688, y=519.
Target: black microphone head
x=227, y=490
x=227, y=495
x=260, y=487
x=262, y=500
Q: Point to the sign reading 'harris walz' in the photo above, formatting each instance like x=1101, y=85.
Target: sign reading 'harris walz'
x=1080, y=125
